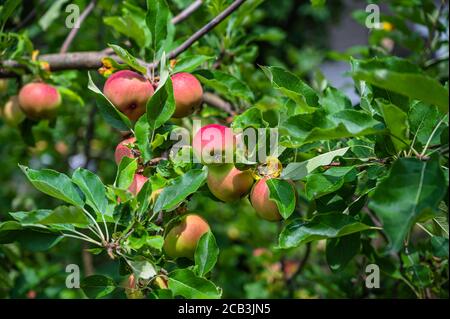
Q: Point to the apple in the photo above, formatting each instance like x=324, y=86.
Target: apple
x=182, y=239
x=129, y=92
x=228, y=183
x=188, y=94
x=12, y=113
x=39, y=100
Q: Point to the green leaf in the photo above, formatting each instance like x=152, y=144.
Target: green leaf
x=292, y=87
x=183, y=282
x=439, y=246
x=412, y=189
x=423, y=118
x=301, y=129
x=54, y=184
x=143, y=197
x=400, y=76
x=321, y=226
x=128, y=58
x=132, y=24
x=110, y=113
x=179, y=189
x=340, y=251
x=66, y=215
x=251, y=117
x=188, y=63
x=334, y=101
x=12, y=231
x=70, y=95
x=157, y=19
x=161, y=106
x=52, y=14
x=225, y=84
x=297, y=171
x=125, y=172
x=143, y=269
x=142, y=134
x=206, y=254
x=283, y=193
x=93, y=189
x=97, y=286
x=320, y=184
x=397, y=122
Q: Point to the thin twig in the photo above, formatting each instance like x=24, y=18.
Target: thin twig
x=205, y=29
x=186, y=13
x=72, y=34
x=217, y=102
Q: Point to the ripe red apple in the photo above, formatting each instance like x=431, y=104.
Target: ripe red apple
x=123, y=150
x=137, y=184
x=265, y=207
x=12, y=114
x=214, y=139
x=129, y=92
x=182, y=239
x=228, y=183
x=188, y=94
x=39, y=100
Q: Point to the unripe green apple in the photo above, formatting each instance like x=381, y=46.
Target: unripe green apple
x=12, y=114
x=188, y=94
x=129, y=92
x=228, y=183
x=182, y=239
x=137, y=184
x=214, y=139
x=122, y=150
x=39, y=100
x=260, y=199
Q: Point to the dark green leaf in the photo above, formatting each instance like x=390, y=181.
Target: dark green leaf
x=97, y=286
x=206, y=254
x=322, y=226
x=179, y=189
x=183, y=282
x=400, y=76
x=283, y=193
x=125, y=172
x=413, y=188
x=158, y=17
x=340, y=251
x=293, y=87
x=109, y=112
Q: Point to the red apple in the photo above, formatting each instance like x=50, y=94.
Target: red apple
x=129, y=92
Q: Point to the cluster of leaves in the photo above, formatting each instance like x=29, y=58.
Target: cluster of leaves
x=371, y=177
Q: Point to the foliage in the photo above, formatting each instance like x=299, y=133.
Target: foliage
x=371, y=176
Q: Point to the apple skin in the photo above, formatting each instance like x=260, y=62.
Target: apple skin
x=182, y=239
x=188, y=93
x=39, y=100
x=12, y=113
x=129, y=92
x=137, y=184
x=123, y=150
x=265, y=207
x=212, y=139
x=228, y=183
